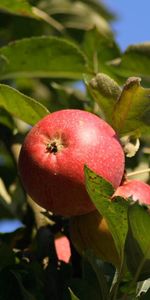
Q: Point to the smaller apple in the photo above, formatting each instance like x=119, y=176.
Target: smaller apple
x=62, y=246
x=90, y=231
x=136, y=189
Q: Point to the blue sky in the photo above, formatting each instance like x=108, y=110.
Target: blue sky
x=133, y=24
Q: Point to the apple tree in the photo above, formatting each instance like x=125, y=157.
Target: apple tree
x=58, y=56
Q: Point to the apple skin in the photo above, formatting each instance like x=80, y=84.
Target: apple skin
x=91, y=232
x=136, y=189
x=53, y=155
x=62, y=246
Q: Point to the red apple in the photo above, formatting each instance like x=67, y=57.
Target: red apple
x=62, y=246
x=53, y=155
x=136, y=189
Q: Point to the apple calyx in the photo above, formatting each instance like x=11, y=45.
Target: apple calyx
x=56, y=145
x=52, y=148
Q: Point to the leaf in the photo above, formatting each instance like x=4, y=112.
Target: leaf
x=83, y=289
x=146, y=296
x=17, y=284
x=42, y=57
x=7, y=256
x=105, y=92
x=25, y=294
x=16, y=7
x=6, y=119
x=66, y=7
x=25, y=281
x=21, y=106
x=100, y=8
x=100, y=186
x=100, y=49
x=115, y=212
x=138, y=242
x=143, y=287
x=73, y=297
x=94, y=275
x=78, y=15
x=8, y=280
x=68, y=96
x=134, y=62
x=132, y=111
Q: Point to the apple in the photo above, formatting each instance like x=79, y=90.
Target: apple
x=91, y=231
x=53, y=155
x=62, y=246
x=136, y=189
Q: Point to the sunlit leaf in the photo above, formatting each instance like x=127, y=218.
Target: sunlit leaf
x=18, y=7
x=115, y=212
x=78, y=15
x=100, y=8
x=132, y=111
x=66, y=7
x=21, y=106
x=134, y=61
x=42, y=57
x=100, y=49
x=73, y=296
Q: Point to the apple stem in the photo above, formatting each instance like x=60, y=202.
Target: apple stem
x=138, y=172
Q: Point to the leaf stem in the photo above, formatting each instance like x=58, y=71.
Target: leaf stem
x=48, y=19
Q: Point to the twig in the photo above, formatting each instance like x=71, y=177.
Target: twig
x=44, y=16
x=138, y=172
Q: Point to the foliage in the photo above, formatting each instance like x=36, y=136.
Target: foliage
x=62, y=54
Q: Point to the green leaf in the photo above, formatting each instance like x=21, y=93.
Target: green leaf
x=134, y=62
x=100, y=49
x=7, y=256
x=93, y=273
x=101, y=187
x=73, y=296
x=21, y=106
x=6, y=119
x=21, y=7
x=67, y=96
x=100, y=8
x=23, y=291
x=25, y=281
x=138, y=242
x=42, y=57
x=115, y=212
x=78, y=15
x=105, y=92
x=9, y=285
x=83, y=289
x=132, y=111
